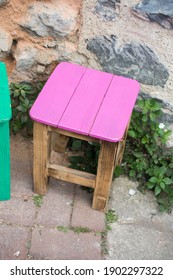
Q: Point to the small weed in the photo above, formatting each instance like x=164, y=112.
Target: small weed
x=62, y=228
x=28, y=245
x=38, y=200
x=111, y=217
x=79, y=230
x=104, y=245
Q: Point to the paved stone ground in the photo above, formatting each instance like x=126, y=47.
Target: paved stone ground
x=54, y=230
x=49, y=231
x=141, y=231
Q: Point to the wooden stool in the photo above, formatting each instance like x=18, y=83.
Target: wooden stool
x=5, y=116
x=85, y=104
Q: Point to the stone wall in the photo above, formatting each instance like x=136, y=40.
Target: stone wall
x=131, y=38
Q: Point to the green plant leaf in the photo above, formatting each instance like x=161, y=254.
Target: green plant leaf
x=19, y=108
x=132, y=133
x=22, y=92
x=117, y=171
x=162, y=185
x=26, y=102
x=157, y=190
x=163, y=170
x=153, y=180
x=140, y=103
x=24, y=119
x=167, y=181
x=26, y=87
x=16, y=93
x=145, y=118
x=149, y=185
x=132, y=173
x=153, y=116
x=76, y=145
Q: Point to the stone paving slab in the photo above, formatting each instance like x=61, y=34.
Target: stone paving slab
x=56, y=209
x=27, y=227
x=18, y=211
x=141, y=231
x=53, y=244
x=13, y=242
x=133, y=242
x=21, y=166
x=84, y=215
x=131, y=207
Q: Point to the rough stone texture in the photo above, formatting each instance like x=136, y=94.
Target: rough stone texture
x=107, y=9
x=157, y=245
x=5, y=43
x=92, y=220
x=13, y=240
x=32, y=61
x=156, y=10
x=53, y=244
x=50, y=19
x=9, y=211
x=169, y=143
x=58, y=203
x=21, y=173
x=69, y=25
x=141, y=232
x=37, y=62
x=132, y=60
x=25, y=56
x=3, y=2
x=32, y=231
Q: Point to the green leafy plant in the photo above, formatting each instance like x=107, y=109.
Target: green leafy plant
x=89, y=158
x=38, y=200
x=146, y=156
x=23, y=96
x=62, y=228
x=111, y=217
x=79, y=230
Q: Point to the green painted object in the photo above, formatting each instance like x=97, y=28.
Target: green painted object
x=5, y=116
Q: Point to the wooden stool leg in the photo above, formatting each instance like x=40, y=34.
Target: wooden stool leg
x=60, y=142
x=121, y=147
x=42, y=148
x=104, y=174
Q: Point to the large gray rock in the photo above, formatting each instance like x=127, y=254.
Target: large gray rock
x=131, y=60
x=160, y=11
x=107, y=9
x=3, y=2
x=50, y=19
x=25, y=56
x=31, y=62
x=5, y=43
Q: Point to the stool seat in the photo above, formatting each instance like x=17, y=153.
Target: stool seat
x=86, y=104
x=86, y=101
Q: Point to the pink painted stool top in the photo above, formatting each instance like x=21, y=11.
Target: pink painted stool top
x=86, y=101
